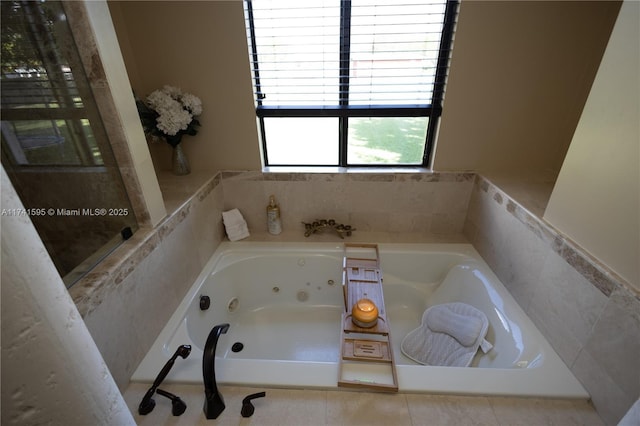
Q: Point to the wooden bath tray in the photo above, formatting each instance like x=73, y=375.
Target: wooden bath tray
x=366, y=358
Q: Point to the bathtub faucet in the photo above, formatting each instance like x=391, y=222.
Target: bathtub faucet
x=147, y=404
x=320, y=225
x=213, y=401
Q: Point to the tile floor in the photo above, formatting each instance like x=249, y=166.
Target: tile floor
x=342, y=407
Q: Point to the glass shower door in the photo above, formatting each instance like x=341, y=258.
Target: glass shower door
x=54, y=145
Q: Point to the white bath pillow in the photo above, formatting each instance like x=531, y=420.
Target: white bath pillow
x=464, y=328
x=450, y=335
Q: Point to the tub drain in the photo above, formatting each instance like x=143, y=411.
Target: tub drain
x=237, y=347
x=302, y=296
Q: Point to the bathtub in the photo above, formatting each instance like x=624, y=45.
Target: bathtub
x=284, y=301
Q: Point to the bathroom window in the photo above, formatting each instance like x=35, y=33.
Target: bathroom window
x=349, y=82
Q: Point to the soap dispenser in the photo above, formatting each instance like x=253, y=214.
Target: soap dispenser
x=274, y=223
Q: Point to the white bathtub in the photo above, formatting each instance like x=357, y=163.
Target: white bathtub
x=283, y=301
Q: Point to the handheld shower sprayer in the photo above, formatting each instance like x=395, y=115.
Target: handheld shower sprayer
x=147, y=404
x=177, y=405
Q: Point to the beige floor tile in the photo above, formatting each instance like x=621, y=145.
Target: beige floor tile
x=282, y=407
x=367, y=409
x=299, y=407
x=193, y=396
x=572, y=412
x=450, y=410
x=161, y=414
x=537, y=411
x=233, y=396
x=520, y=411
x=588, y=413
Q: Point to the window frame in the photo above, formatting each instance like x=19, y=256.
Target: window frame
x=343, y=111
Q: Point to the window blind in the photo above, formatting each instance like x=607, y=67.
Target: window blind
x=35, y=75
x=345, y=54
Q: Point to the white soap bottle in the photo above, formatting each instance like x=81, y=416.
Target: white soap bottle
x=274, y=223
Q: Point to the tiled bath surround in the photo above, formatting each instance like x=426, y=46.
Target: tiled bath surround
x=588, y=315
x=128, y=298
x=426, y=204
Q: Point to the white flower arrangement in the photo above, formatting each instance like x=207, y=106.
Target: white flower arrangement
x=170, y=113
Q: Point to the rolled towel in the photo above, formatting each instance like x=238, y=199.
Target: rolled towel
x=235, y=225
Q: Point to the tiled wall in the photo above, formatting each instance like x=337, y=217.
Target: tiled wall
x=69, y=240
x=589, y=315
x=425, y=205
x=130, y=296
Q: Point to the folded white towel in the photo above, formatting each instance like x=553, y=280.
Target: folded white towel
x=233, y=217
x=235, y=225
x=450, y=335
x=239, y=234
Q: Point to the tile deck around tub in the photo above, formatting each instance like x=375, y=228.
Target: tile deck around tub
x=341, y=407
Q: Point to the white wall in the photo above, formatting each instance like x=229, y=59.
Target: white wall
x=52, y=371
x=597, y=195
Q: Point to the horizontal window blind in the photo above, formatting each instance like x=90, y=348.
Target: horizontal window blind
x=39, y=91
x=35, y=73
x=332, y=53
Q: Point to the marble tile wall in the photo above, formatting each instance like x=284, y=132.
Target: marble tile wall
x=86, y=43
x=422, y=204
x=589, y=314
x=70, y=239
x=128, y=298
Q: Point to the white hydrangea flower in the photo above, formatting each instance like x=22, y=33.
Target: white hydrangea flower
x=192, y=103
x=172, y=91
x=172, y=120
x=158, y=100
x=175, y=109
